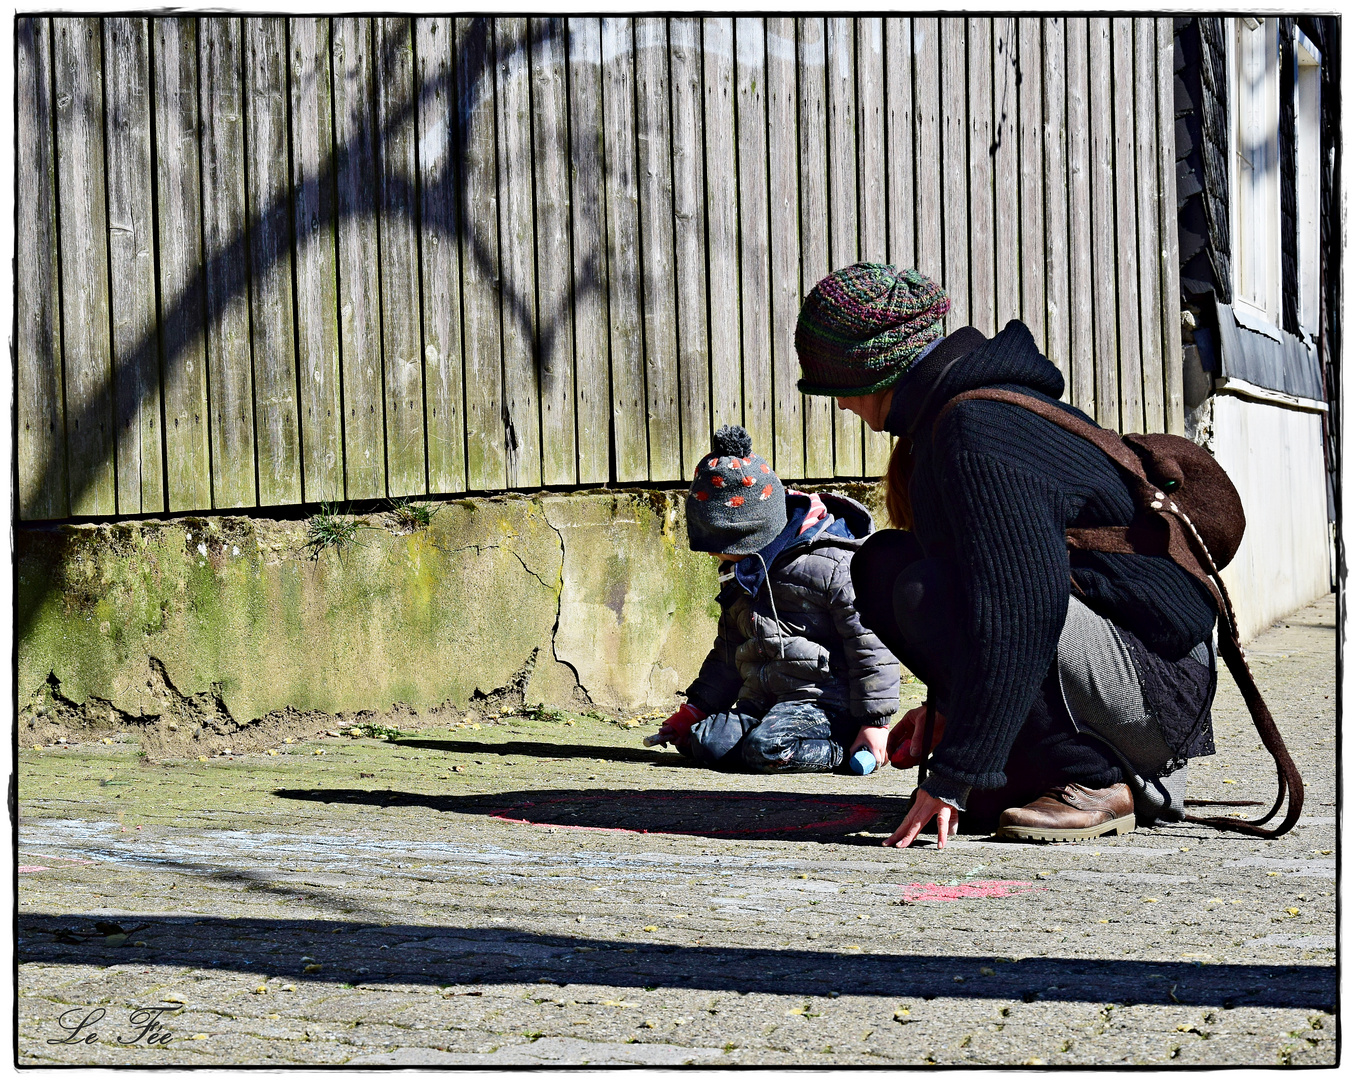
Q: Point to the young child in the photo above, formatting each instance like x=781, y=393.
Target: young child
x=794, y=681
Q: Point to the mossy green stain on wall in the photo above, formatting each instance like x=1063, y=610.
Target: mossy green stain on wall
x=423, y=617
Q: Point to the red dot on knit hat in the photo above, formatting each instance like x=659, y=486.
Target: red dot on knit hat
x=766, y=492
x=747, y=481
x=718, y=481
x=737, y=500
x=714, y=461
x=766, y=467
x=747, y=461
x=734, y=463
x=701, y=496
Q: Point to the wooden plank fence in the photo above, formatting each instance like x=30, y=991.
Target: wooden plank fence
x=274, y=261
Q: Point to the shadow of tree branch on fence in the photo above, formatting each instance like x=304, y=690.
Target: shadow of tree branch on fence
x=184, y=318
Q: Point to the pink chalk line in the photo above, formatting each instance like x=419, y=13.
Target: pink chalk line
x=919, y=892
x=58, y=858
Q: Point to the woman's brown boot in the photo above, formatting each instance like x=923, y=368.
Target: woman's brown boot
x=1071, y=812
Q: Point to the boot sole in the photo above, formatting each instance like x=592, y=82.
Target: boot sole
x=1118, y=826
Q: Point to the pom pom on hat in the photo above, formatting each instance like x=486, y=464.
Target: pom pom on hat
x=732, y=441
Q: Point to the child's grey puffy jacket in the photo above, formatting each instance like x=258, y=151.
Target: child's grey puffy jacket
x=818, y=650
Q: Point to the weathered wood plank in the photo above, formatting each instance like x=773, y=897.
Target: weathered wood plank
x=875, y=186
x=955, y=168
x=40, y=417
x=813, y=223
x=721, y=215
x=628, y=401
x=1006, y=171
x=1099, y=66
x=439, y=245
x=1029, y=62
x=131, y=263
x=550, y=130
x=317, y=358
x=1172, y=360
x=982, y=300
x=928, y=150
x=225, y=251
x=872, y=164
x=899, y=124
x=1081, y=324
x=183, y=341
x=516, y=231
x=842, y=157
x=485, y=455
x=276, y=421
x=590, y=276
x=359, y=292
x=440, y=237
x=782, y=152
x=843, y=207
x=77, y=62
x=754, y=250
x=397, y=110
x=662, y=381
x=1126, y=182
x=1148, y=186
x=688, y=207
x=1056, y=245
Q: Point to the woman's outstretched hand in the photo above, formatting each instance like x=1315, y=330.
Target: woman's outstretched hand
x=906, y=737
x=925, y=807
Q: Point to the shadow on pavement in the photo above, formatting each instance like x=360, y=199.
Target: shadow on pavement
x=761, y=815
x=461, y=956
x=633, y=754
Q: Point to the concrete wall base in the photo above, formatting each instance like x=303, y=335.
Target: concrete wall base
x=584, y=601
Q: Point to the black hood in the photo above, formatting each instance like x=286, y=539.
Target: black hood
x=965, y=360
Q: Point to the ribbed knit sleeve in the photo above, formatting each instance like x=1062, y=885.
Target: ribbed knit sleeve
x=1011, y=554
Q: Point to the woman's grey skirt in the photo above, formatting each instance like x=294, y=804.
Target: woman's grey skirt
x=1154, y=713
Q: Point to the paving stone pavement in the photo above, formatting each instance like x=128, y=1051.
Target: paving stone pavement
x=487, y=895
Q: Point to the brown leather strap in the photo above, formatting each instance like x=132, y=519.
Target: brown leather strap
x=1180, y=542
x=1108, y=441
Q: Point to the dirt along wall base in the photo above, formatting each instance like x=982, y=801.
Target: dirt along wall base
x=194, y=628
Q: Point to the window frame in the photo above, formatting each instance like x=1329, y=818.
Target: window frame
x=1307, y=133
x=1257, y=286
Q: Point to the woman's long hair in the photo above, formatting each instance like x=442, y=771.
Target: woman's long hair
x=897, y=499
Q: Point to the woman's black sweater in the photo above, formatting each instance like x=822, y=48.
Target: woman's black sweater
x=994, y=488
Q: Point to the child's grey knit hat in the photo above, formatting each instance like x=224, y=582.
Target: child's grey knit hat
x=736, y=504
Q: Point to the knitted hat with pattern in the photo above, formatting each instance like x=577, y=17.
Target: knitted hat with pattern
x=863, y=326
x=736, y=504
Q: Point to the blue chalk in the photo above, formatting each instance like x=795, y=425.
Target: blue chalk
x=863, y=762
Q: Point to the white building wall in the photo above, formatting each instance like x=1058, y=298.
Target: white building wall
x=1274, y=457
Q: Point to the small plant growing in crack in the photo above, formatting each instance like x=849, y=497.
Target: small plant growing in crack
x=412, y=516
x=379, y=731
x=328, y=529
x=543, y=712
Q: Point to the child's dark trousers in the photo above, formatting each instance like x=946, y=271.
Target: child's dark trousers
x=793, y=736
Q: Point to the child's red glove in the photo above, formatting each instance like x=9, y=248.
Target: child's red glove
x=676, y=728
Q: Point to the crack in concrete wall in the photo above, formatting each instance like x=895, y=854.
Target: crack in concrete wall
x=580, y=601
